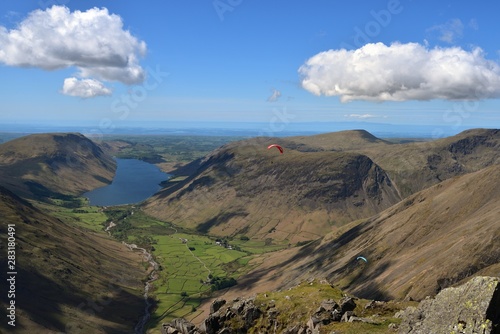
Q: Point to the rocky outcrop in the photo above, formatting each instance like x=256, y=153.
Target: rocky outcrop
x=242, y=314
x=238, y=317
x=179, y=326
x=473, y=308
x=470, y=308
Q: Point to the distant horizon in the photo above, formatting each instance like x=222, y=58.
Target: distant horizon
x=275, y=67
x=241, y=129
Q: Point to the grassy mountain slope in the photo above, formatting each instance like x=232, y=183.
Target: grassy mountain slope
x=68, y=280
x=44, y=165
x=431, y=240
x=416, y=166
x=245, y=189
x=340, y=141
x=321, y=181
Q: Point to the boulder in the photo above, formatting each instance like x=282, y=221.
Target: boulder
x=250, y=313
x=473, y=307
x=336, y=315
x=179, y=326
x=346, y=316
x=329, y=305
x=347, y=304
x=168, y=329
x=211, y=325
x=216, y=305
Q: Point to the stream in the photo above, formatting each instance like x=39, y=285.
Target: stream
x=139, y=328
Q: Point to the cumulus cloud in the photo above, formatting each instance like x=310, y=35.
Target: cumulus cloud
x=400, y=72
x=93, y=41
x=274, y=96
x=84, y=88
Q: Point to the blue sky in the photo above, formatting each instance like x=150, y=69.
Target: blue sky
x=113, y=64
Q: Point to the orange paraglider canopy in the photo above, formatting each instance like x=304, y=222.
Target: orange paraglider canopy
x=277, y=146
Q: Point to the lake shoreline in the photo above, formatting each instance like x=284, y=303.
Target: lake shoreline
x=134, y=181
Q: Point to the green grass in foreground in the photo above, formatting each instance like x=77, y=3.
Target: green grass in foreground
x=296, y=305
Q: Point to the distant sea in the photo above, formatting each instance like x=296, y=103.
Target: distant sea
x=381, y=130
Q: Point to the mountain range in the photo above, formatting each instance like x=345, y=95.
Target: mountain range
x=379, y=219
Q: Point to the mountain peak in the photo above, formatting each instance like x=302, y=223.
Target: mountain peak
x=45, y=164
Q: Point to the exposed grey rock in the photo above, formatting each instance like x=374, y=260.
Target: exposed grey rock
x=184, y=326
x=347, y=304
x=329, y=305
x=373, y=304
x=313, y=323
x=346, y=316
x=370, y=304
x=211, y=324
x=179, y=326
x=228, y=315
x=336, y=315
x=250, y=313
x=297, y=329
x=323, y=313
x=319, y=310
x=168, y=329
x=473, y=307
x=216, y=305
x=393, y=327
x=238, y=306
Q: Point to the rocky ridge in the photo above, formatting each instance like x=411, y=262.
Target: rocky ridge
x=473, y=307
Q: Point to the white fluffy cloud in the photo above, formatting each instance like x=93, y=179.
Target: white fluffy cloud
x=400, y=72
x=93, y=41
x=84, y=88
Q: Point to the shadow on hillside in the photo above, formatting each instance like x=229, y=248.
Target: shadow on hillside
x=353, y=277
x=321, y=256
x=218, y=220
x=45, y=302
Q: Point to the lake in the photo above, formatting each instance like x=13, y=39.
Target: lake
x=134, y=181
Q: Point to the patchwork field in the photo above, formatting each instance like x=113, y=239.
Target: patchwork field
x=189, y=263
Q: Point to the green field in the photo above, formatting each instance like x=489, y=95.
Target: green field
x=188, y=261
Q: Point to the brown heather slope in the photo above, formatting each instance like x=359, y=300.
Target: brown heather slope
x=414, y=166
x=245, y=189
x=68, y=280
x=430, y=240
x=339, y=141
x=417, y=166
x=43, y=165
